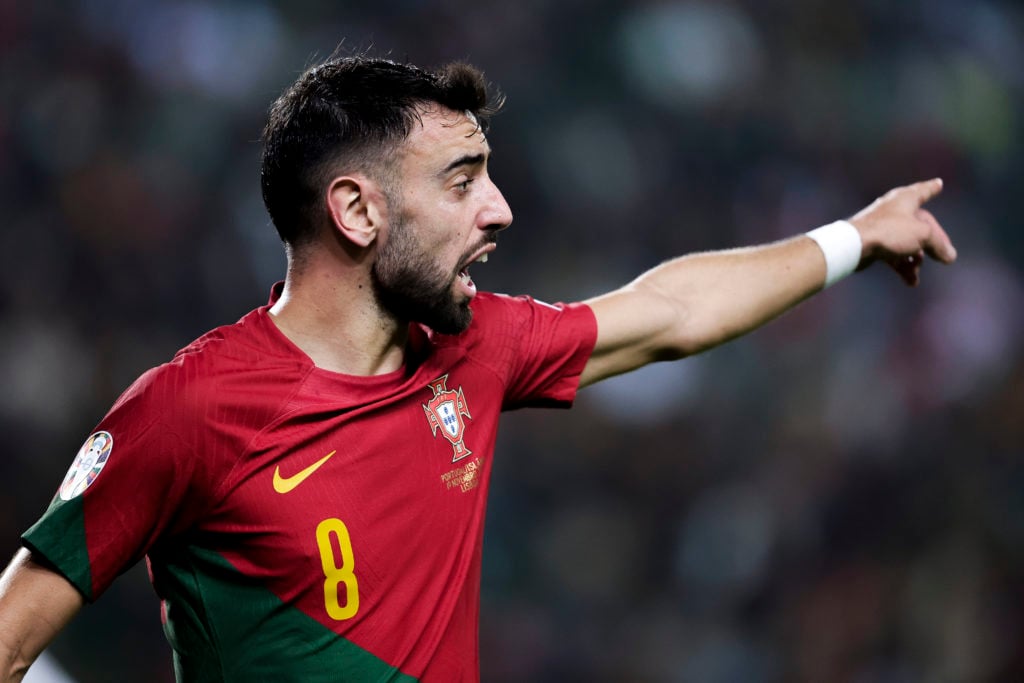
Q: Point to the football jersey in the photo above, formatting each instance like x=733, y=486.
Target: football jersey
x=305, y=525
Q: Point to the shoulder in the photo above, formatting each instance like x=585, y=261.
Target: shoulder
x=506, y=329
x=511, y=304
x=504, y=313
x=234, y=366
x=495, y=318
x=523, y=314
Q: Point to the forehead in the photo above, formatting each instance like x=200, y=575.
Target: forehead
x=442, y=135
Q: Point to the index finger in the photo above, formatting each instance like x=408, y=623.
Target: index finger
x=925, y=190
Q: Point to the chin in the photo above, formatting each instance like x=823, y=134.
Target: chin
x=452, y=322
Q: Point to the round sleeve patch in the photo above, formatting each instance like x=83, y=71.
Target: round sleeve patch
x=88, y=464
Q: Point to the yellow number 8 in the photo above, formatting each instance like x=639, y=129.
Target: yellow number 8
x=335, y=574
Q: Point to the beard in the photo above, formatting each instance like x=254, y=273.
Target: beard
x=412, y=287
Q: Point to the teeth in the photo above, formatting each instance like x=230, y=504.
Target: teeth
x=482, y=259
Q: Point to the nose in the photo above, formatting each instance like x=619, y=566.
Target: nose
x=496, y=215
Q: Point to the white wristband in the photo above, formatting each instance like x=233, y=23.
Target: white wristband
x=840, y=242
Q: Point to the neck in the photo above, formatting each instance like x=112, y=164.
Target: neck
x=328, y=309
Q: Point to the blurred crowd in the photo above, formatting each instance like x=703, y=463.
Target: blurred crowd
x=837, y=497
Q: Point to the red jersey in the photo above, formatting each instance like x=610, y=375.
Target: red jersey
x=306, y=525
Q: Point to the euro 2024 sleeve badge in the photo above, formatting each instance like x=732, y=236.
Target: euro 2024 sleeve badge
x=91, y=458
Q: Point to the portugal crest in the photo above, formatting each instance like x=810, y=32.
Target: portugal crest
x=445, y=411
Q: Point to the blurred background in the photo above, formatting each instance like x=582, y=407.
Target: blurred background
x=837, y=497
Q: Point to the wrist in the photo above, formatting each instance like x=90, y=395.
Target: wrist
x=841, y=244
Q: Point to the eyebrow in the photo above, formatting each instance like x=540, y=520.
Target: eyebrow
x=465, y=160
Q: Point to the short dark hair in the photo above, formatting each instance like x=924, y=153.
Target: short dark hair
x=350, y=114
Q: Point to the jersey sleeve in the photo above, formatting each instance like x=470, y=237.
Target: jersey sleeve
x=540, y=348
x=135, y=479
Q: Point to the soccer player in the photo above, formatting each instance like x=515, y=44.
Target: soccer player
x=308, y=485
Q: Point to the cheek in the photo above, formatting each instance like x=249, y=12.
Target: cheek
x=443, y=232
x=448, y=238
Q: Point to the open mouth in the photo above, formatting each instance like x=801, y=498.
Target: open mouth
x=464, y=277
x=464, y=273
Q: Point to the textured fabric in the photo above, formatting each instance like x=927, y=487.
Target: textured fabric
x=292, y=513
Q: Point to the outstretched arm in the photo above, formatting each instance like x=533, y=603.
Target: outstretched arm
x=695, y=302
x=36, y=602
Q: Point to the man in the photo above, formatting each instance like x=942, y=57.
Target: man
x=309, y=484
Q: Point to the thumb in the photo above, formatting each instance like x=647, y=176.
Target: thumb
x=937, y=245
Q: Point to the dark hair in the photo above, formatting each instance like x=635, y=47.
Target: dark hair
x=351, y=114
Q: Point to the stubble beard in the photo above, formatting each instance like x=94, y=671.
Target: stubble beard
x=410, y=286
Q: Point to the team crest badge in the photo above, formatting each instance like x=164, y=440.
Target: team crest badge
x=91, y=458
x=445, y=412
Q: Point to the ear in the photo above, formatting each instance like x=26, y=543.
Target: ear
x=356, y=206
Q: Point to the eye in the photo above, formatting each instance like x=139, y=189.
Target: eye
x=463, y=187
